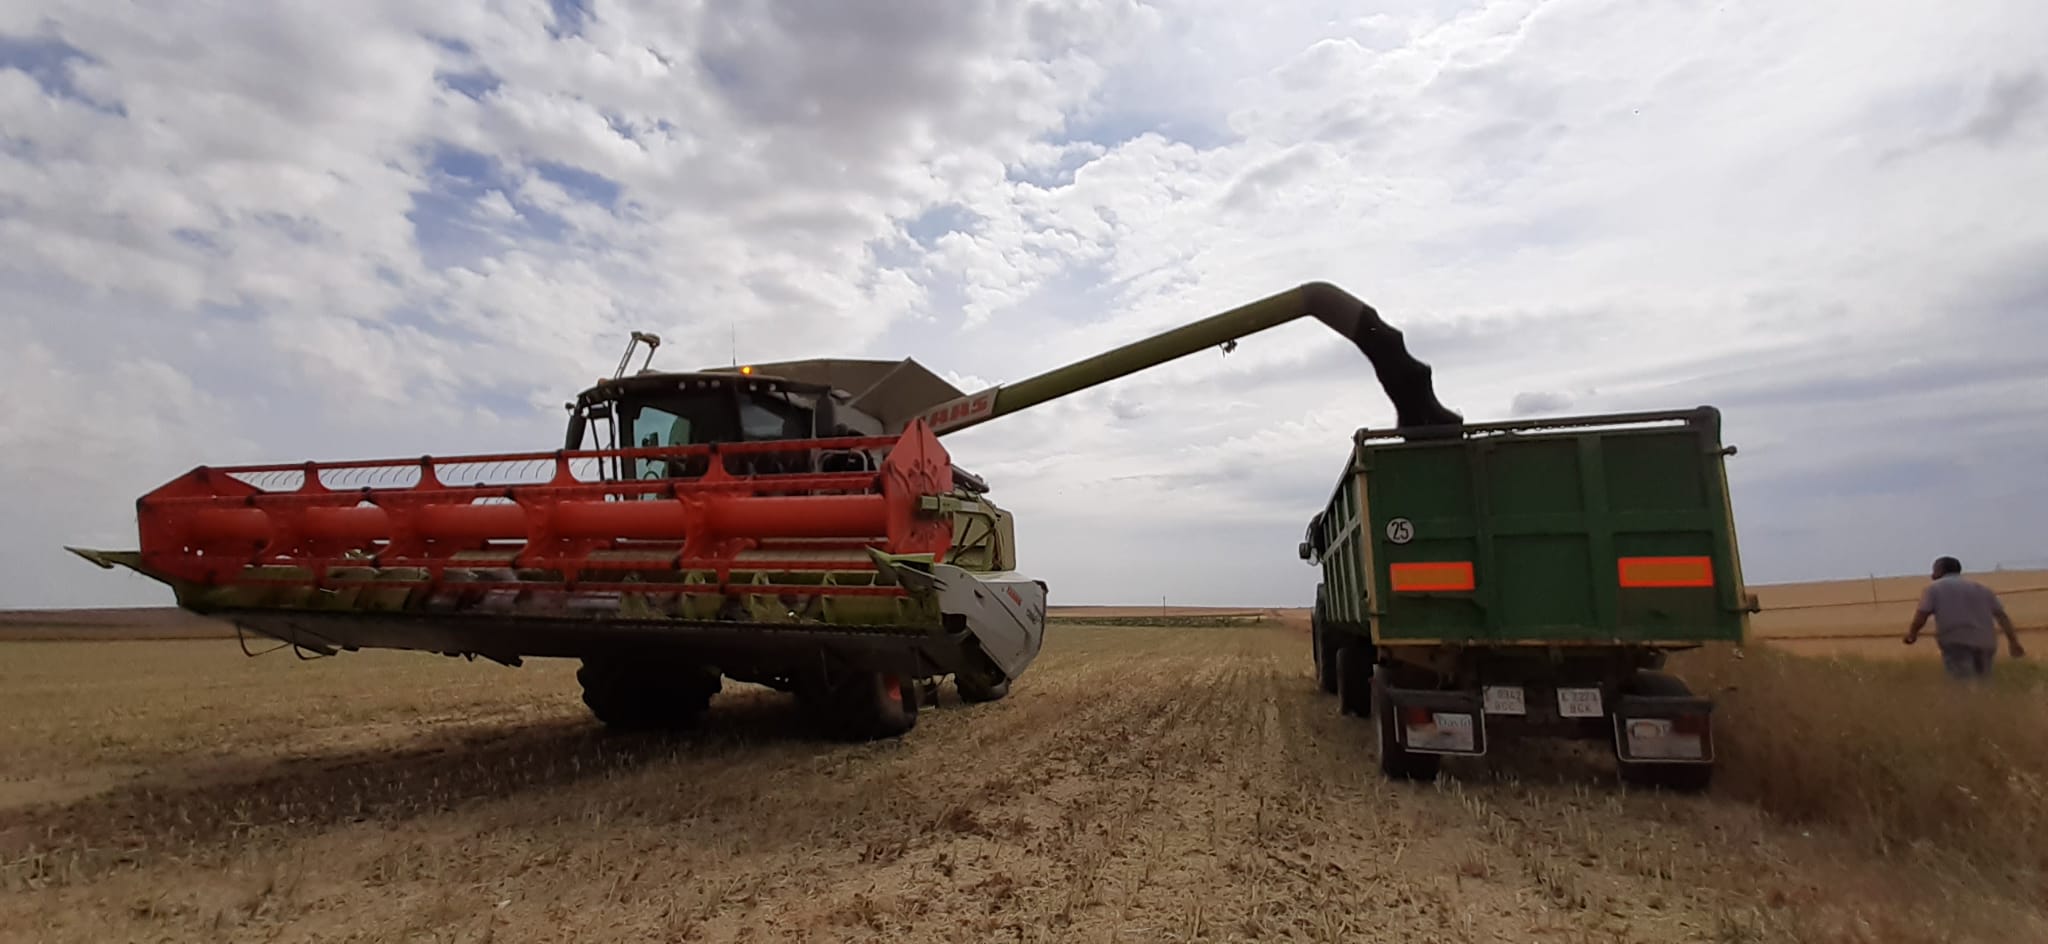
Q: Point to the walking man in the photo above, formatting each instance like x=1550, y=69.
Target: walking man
x=1965, y=613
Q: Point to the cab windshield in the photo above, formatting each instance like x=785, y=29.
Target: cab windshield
x=705, y=415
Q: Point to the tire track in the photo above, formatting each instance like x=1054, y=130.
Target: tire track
x=1033, y=847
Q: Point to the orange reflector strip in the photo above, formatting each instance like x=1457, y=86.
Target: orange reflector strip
x=1667, y=571
x=1436, y=576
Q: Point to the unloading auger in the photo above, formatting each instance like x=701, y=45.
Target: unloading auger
x=797, y=525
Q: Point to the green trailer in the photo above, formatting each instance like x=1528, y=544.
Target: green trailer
x=1489, y=581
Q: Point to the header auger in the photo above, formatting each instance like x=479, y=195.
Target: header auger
x=797, y=525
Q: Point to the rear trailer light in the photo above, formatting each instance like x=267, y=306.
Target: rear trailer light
x=1439, y=731
x=1433, y=721
x=1680, y=738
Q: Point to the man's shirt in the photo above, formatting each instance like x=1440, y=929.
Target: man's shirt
x=1964, y=612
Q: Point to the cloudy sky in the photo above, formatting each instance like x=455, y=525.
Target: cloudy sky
x=236, y=231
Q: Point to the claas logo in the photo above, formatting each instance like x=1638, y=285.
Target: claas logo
x=965, y=409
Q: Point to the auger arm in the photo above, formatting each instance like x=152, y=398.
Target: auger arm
x=1406, y=380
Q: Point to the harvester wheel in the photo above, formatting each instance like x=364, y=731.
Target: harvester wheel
x=1682, y=778
x=639, y=694
x=1352, y=676
x=980, y=685
x=867, y=706
x=1397, y=762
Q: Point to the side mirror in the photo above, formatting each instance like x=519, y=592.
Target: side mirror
x=577, y=424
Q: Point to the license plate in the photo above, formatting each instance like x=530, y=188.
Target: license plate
x=1448, y=731
x=1505, y=700
x=1579, y=702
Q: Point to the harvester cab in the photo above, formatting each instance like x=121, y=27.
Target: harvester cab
x=795, y=524
x=652, y=411
x=821, y=398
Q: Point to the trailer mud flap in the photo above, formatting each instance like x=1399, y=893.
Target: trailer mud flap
x=1429, y=721
x=1664, y=729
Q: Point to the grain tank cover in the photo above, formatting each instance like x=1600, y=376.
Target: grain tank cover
x=893, y=392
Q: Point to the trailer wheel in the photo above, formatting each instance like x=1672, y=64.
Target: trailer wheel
x=1683, y=778
x=868, y=706
x=1352, y=675
x=1320, y=649
x=1324, y=653
x=1397, y=762
x=640, y=694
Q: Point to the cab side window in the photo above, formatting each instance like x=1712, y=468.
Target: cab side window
x=652, y=429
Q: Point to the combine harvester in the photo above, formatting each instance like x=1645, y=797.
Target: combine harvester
x=796, y=525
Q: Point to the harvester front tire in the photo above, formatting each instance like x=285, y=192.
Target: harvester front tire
x=869, y=706
x=1397, y=762
x=979, y=687
x=1679, y=778
x=979, y=691
x=638, y=694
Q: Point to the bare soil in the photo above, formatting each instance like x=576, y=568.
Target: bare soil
x=1138, y=785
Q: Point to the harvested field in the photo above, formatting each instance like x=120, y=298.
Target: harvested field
x=1167, y=784
x=141, y=622
x=1187, y=616
x=1867, y=617
x=1863, y=618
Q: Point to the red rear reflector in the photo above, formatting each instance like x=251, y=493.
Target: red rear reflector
x=1436, y=576
x=1667, y=571
x=1418, y=716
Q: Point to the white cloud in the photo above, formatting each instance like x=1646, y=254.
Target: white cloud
x=232, y=232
